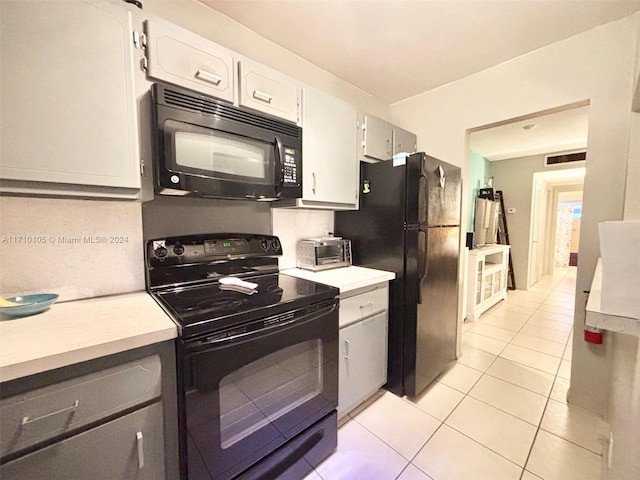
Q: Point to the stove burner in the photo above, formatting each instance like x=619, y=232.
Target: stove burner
x=218, y=304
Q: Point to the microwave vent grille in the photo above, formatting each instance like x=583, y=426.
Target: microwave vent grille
x=207, y=106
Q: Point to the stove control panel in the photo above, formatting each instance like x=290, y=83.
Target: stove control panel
x=206, y=248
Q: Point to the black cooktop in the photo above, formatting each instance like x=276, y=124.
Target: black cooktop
x=183, y=275
x=206, y=308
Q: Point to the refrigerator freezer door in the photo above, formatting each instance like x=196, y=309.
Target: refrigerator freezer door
x=440, y=193
x=437, y=314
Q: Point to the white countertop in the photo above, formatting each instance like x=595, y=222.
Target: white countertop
x=344, y=278
x=81, y=330
x=595, y=317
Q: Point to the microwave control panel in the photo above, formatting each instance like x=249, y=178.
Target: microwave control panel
x=290, y=166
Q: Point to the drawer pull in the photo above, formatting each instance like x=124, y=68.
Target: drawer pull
x=27, y=420
x=264, y=97
x=366, y=305
x=140, y=443
x=209, y=77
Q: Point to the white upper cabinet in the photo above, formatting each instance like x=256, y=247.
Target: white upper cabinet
x=178, y=56
x=67, y=96
x=377, y=138
x=403, y=141
x=329, y=144
x=381, y=140
x=268, y=91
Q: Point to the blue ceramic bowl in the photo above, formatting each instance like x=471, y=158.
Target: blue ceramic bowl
x=29, y=304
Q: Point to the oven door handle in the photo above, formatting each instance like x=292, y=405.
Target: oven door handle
x=240, y=333
x=279, y=168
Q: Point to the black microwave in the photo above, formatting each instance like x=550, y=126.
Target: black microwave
x=208, y=148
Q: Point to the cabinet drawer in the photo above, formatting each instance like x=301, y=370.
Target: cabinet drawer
x=268, y=91
x=364, y=305
x=130, y=447
x=188, y=60
x=44, y=413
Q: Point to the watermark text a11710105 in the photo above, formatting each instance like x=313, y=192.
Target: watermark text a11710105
x=63, y=239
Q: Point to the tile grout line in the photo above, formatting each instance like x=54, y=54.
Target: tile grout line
x=548, y=397
x=467, y=394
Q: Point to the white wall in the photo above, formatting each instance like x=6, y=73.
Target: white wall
x=597, y=66
x=623, y=402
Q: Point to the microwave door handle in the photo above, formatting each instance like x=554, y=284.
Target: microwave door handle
x=279, y=169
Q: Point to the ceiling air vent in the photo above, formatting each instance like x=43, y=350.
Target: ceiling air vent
x=566, y=158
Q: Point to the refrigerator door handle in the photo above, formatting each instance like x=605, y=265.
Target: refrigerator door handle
x=423, y=216
x=423, y=266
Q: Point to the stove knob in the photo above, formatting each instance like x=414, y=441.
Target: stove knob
x=178, y=249
x=275, y=244
x=264, y=244
x=161, y=252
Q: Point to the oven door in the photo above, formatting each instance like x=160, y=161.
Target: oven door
x=250, y=390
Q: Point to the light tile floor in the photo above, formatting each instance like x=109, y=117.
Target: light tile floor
x=500, y=412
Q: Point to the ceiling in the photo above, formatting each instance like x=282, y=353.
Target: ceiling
x=395, y=49
x=554, y=132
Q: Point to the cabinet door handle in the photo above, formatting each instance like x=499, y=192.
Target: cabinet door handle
x=313, y=187
x=262, y=96
x=388, y=149
x=140, y=443
x=27, y=420
x=366, y=305
x=209, y=77
x=346, y=349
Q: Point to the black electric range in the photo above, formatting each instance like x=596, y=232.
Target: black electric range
x=257, y=366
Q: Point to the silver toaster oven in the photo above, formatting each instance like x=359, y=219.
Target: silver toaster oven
x=323, y=253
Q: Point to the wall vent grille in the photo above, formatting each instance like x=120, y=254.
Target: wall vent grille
x=565, y=158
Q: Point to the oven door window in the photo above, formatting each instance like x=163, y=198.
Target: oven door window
x=266, y=389
x=217, y=154
x=248, y=395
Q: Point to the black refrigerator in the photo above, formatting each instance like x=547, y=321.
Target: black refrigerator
x=409, y=223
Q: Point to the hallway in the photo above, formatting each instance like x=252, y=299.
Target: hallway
x=499, y=413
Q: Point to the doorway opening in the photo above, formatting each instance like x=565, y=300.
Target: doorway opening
x=555, y=234
x=512, y=156
x=567, y=239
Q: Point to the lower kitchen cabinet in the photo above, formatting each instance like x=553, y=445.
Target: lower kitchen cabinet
x=363, y=361
x=110, y=418
x=130, y=447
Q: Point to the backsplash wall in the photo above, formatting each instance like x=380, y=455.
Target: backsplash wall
x=89, y=248
x=291, y=225
x=167, y=216
x=75, y=248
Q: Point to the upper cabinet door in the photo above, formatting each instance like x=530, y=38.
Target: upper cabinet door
x=268, y=91
x=403, y=141
x=69, y=111
x=183, y=58
x=329, y=138
x=378, y=138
